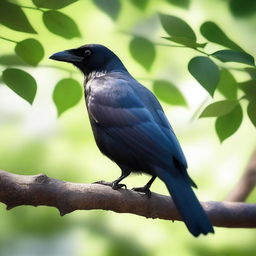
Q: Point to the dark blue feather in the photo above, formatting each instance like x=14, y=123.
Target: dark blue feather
x=130, y=127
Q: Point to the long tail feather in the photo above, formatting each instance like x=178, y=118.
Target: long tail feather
x=187, y=203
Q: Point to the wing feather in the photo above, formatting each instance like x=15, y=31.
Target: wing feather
x=126, y=117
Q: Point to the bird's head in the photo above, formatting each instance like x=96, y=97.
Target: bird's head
x=89, y=58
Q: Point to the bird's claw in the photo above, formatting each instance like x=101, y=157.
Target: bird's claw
x=102, y=182
x=116, y=186
x=144, y=190
x=113, y=185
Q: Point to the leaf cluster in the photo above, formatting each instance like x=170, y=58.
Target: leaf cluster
x=208, y=69
x=30, y=51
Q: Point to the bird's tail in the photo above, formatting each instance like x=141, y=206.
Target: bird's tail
x=187, y=203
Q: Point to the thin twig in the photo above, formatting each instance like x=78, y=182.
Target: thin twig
x=8, y=39
x=171, y=45
x=199, y=109
x=30, y=7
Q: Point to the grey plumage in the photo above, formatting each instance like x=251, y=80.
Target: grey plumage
x=130, y=127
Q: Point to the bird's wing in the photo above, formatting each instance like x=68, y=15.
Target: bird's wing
x=152, y=103
x=118, y=108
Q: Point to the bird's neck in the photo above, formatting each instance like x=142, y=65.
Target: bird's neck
x=115, y=65
x=95, y=74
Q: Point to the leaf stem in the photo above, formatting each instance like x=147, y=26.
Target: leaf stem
x=199, y=109
x=30, y=7
x=171, y=45
x=183, y=46
x=205, y=53
x=159, y=44
x=7, y=39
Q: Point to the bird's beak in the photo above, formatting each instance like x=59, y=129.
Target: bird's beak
x=66, y=56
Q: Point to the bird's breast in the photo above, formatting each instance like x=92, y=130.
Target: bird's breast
x=87, y=88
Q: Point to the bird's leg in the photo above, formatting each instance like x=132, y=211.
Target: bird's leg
x=146, y=188
x=115, y=184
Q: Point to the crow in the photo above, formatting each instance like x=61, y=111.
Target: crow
x=130, y=127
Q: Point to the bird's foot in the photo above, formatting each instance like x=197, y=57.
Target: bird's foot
x=145, y=190
x=114, y=185
x=118, y=186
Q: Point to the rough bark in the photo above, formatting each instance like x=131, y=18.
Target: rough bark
x=39, y=189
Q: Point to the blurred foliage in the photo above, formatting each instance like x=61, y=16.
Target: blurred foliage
x=180, y=3
x=168, y=93
x=176, y=27
x=227, y=85
x=229, y=123
x=210, y=76
x=21, y=23
x=30, y=50
x=162, y=42
x=60, y=24
x=219, y=108
x=142, y=4
x=65, y=87
x=242, y=8
x=21, y=83
x=233, y=56
x=110, y=7
x=143, y=50
x=49, y=4
x=11, y=60
x=215, y=34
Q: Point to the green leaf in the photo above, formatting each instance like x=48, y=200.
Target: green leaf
x=227, y=85
x=180, y=3
x=141, y=4
x=251, y=72
x=168, y=93
x=21, y=82
x=242, y=8
x=213, y=33
x=219, y=108
x=186, y=42
x=53, y=4
x=11, y=60
x=143, y=51
x=30, y=50
x=227, y=125
x=177, y=27
x=249, y=88
x=60, y=24
x=206, y=72
x=110, y=7
x=67, y=93
x=233, y=56
x=13, y=17
x=251, y=111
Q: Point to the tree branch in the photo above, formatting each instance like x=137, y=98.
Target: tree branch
x=37, y=190
x=246, y=183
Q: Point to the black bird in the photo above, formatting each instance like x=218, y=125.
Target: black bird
x=130, y=127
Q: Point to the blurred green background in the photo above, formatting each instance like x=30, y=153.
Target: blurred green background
x=34, y=140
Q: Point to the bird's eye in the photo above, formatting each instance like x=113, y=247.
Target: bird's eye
x=87, y=53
